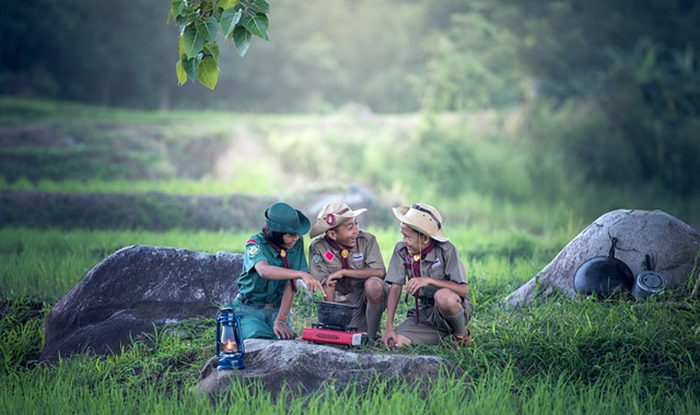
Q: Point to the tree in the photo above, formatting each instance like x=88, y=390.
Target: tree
x=199, y=22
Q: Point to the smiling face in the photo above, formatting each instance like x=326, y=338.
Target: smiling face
x=345, y=233
x=289, y=240
x=415, y=242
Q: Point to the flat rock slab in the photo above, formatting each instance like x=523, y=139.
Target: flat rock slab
x=303, y=368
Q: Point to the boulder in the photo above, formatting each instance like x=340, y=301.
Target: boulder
x=303, y=368
x=134, y=290
x=672, y=244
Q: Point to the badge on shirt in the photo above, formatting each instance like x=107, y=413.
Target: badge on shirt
x=358, y=257
x=253, y=250
x=435, y=263
x=316, y=258
x=329, y=256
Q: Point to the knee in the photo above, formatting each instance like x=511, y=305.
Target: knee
x=374, y=288
x=448, y=301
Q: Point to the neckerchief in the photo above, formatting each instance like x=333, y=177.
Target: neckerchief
x=285, y=262
x=343, y=253
x=413, y=266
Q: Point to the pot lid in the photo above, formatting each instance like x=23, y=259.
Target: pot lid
x=651, y=281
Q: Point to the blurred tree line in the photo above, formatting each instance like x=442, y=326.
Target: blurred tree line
x=625, y=74
x=321, y=55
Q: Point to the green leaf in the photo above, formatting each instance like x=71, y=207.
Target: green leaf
x=180, y=47
x=181, y=74
x=176, y=8
x=257, y=25
x=212, y=49
x=260, y=6
x=193, y=41
x=191, y=67
x=208, y=72
x=228, y=4
x=207, y=29
x=242, y=38
x=229, y=20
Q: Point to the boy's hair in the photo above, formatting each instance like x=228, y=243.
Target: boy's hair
x=273, y=236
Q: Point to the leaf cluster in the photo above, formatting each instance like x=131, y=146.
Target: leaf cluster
x=199, y=23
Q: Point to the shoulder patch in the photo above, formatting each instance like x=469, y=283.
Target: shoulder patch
x=251, y=241
x=316, y=259
x=329, y=256
x=253, y=250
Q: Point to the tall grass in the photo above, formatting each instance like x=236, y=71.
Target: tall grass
x=561, y=356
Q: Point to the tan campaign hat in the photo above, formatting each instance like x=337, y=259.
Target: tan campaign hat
x=332, y=215
x=422, y=218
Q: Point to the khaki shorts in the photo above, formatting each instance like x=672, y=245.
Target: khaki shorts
x=431, y=328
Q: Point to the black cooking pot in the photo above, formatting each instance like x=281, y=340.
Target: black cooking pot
x=334, y=314
x=603, y=276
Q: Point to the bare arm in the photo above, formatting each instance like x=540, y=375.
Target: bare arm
x=361, y=274
x=280, y=327
x=271, y=272
x=414, y=284
x=389, y=338
x=392, y=304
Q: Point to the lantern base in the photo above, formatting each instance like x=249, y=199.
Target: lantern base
x=231, y=362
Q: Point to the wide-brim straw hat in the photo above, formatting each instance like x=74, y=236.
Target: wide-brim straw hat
x=281, y=217
x=332, y=215
x=423, y=218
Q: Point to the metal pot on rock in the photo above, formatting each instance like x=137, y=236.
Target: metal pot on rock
x=604, y=275
x=334, y=314
x=648, y=282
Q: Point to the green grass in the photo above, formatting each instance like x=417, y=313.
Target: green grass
x=507, y=214
x=616, y=356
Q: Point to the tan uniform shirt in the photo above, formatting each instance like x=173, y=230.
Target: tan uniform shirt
x=324, y=260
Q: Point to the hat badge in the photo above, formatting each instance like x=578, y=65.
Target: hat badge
x=330, y=219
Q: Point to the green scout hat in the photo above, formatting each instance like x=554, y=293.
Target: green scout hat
x=332, y=215
x=281, y=217
x=423, y=218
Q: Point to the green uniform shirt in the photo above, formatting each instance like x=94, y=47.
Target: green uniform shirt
x=256, y=289
x=326, y=260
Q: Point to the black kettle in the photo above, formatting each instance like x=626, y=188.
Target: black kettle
x=603, y=276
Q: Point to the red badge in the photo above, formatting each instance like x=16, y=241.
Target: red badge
x=330, y=219
x=329, y=256
x=250, y=241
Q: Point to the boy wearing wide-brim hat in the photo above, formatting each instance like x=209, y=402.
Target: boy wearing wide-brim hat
x=348, y=262
x=427, y=263
x=274, y=259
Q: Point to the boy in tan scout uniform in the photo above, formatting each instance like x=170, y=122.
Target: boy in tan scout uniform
x=348, y=262
x=437, y=279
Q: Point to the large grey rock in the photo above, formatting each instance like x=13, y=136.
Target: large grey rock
x=132, y=290
x=672, y=244
x=304, y=367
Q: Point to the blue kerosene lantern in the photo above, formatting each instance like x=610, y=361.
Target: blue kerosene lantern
x=229, y=340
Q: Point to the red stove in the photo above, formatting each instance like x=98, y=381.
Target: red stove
x=337, y=335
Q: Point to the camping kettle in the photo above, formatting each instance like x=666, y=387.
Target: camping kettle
x=603, y=275
x=648, y=282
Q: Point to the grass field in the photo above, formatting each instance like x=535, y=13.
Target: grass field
x=577, y=357
x=561, y=356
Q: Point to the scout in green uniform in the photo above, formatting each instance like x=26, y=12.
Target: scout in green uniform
x=348, y=262
x=428, y=264
x=274, y=259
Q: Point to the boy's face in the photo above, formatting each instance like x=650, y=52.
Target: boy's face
x=289, y=239
x=346, y=233
x=414, y=241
